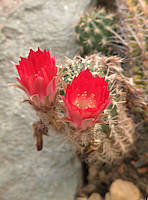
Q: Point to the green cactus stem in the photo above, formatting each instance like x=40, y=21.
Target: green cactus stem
x=95, y=31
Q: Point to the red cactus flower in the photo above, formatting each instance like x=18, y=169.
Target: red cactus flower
x=85, y=99
x=38, y=76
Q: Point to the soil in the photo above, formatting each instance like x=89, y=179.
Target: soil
x=133, y=168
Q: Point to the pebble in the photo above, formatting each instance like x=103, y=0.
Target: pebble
x=95, y=196
x=124, y=190
x=81, y=198
x=107, y=196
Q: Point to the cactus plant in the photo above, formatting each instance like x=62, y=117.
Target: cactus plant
x=113, y=139
x=95, y=31
x=134, y=28
x=78, y=115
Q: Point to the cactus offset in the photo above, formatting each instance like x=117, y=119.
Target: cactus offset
x=95, y=31
x=134, y=28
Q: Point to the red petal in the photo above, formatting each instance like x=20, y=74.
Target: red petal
x=89, y=91
x=36, y=72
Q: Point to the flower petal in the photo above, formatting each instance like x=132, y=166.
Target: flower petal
x=36, y=72
x=85, y=99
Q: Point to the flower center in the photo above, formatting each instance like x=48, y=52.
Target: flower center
x=83, y=101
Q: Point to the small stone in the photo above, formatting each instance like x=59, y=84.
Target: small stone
x=107, y=196
x=87, y=190
x=124, y=190
x=95, y=196
x=81, y=198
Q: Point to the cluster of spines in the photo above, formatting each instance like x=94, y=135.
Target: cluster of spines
x=95, y=31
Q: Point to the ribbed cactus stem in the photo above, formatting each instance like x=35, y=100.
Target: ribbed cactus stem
x=95, y=32
x=134, y=28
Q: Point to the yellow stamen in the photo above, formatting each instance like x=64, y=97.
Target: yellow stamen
x=83, y=101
